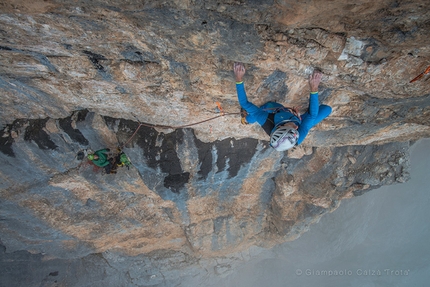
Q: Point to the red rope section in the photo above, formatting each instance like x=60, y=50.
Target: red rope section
x=171, y=127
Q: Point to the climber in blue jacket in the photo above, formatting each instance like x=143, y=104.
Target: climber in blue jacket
x=285, y=126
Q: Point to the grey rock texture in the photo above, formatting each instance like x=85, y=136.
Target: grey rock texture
x=181, y=197
x=85, y=75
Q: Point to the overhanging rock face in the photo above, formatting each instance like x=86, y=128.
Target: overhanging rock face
x=84, y=75
x=180, y=193
x=169, y=63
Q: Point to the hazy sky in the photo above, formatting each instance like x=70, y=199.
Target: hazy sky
x=381, y=238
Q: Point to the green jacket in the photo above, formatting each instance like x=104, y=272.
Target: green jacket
x=102, y=161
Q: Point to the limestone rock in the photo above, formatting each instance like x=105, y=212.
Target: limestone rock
x=180, y=194
x=85, y=75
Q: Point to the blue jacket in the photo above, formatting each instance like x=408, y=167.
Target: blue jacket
x=313, y=116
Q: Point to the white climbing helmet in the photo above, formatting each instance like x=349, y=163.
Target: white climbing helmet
x=283, y=138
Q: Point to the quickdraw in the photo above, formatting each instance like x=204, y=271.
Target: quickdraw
x=220, y=108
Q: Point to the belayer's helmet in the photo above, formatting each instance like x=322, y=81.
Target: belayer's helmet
x=283, y=138
x=90, y=156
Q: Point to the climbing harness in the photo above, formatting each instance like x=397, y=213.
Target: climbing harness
x=269, y=125
x=294, y=110
x=421, y=75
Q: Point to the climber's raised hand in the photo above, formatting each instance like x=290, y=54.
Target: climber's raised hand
x=314, y=80
x=239, y=71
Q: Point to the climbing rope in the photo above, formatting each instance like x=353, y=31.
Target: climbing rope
x=178, y=127
x=420, y=75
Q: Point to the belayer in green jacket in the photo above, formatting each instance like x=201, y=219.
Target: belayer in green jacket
x=101, y=158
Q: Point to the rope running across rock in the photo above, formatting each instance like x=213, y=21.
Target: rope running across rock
x=177, y=127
